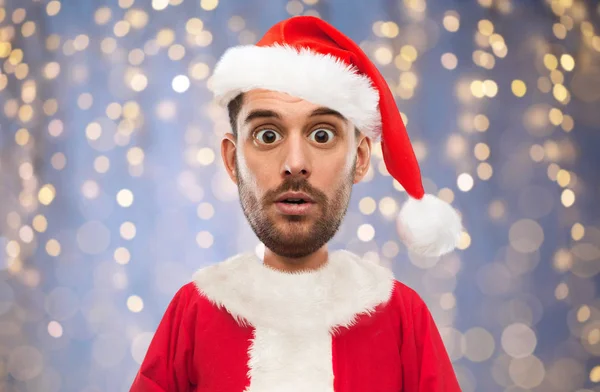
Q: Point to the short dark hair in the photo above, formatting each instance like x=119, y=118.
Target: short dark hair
x=235, y=106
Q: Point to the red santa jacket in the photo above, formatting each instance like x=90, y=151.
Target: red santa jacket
x=349, y=326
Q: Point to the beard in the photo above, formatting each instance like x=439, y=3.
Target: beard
x=296, y=236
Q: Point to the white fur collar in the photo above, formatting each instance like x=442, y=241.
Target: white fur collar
x=329, y=297
x=294, y=315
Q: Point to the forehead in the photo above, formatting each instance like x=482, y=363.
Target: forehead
x=274, y=100
x=283, y=107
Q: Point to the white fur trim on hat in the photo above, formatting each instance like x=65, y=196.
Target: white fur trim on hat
x=317, y=78
x=429, y=226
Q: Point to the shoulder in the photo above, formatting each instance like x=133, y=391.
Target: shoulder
x=187, y=305
x=191, y=296
x=406, y=297
x=187, y=295
x=413, y=313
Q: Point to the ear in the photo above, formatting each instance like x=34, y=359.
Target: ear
x=363, y=157
x=228, y=149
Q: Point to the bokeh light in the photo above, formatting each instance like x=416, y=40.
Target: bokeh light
x=113, y=191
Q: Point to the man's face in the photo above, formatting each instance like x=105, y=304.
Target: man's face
x=285, y=144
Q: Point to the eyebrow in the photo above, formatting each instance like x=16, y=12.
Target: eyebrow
x=263, y=113
x=323, y=111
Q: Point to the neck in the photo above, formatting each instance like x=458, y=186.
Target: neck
x=312, y=261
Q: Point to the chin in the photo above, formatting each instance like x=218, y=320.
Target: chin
x=277, y=216
x=296, y=218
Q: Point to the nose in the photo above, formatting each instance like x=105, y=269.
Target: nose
x=297, y=160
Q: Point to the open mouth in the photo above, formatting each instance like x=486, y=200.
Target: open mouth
x=294, y=201
x=294, y=206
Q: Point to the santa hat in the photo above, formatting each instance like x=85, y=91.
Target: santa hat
x=308, y=58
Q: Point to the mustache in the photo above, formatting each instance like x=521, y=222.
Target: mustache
x=295, y=184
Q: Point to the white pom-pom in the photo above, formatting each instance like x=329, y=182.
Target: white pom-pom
x=429, y=226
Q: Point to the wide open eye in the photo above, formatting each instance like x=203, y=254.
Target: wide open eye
x=267, y=136
x=322, y=135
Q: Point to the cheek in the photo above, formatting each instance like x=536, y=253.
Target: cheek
x=333, y=174
x=347, y=163
x=256, y=173
x=351, y=154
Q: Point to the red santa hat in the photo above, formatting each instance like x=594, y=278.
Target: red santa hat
x=308, y=58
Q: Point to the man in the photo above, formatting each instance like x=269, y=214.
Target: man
x=305, y=105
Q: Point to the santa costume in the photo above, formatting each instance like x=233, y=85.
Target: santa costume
x=348, y=326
